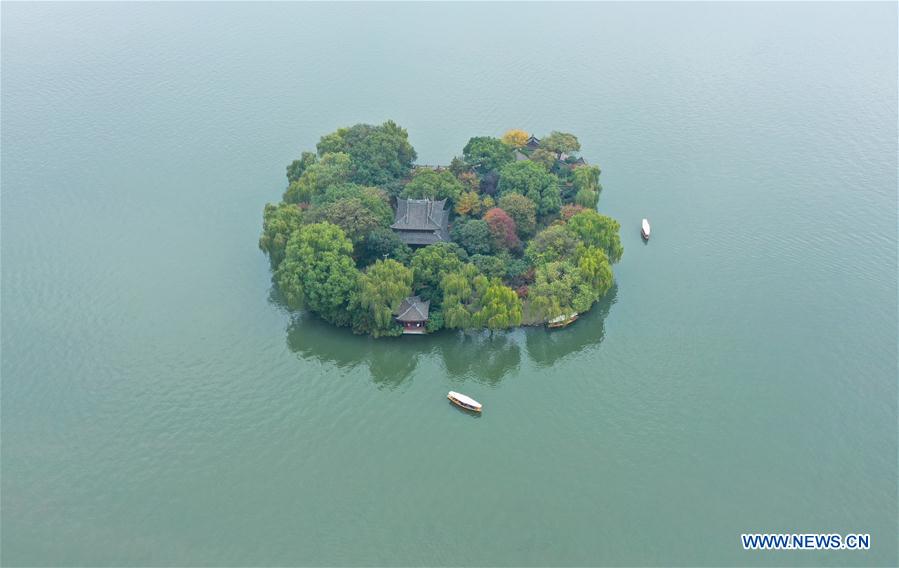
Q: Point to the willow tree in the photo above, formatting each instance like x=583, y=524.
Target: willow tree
x=318, y=272
x=500, y=308
x=381, y=289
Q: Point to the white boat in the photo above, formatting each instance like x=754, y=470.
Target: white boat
x=562, y=321
x=463, y=401
x=644, y=230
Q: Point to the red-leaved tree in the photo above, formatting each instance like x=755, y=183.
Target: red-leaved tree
x=502, y=228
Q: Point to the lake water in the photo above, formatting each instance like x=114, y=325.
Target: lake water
x=160, y=408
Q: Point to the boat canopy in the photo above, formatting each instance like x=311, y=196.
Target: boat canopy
x=464, y=399
x=646, y=226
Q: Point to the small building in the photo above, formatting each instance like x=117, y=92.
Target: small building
x=580, y=162
x=533, y=142
x=413, y=315
x=421, y=222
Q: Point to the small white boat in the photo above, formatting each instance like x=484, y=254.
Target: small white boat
x=463, y=401
x=644, y=230
x=562, y=321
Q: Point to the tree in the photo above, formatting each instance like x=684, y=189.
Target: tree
x=551, y=244
x=469, y=181
x=474, y=236
x=502, y=229
x=488, y=183
x=485, y=154
x=379, y=153
x=458, y=166
x=559, y=289
x=594, y=267
x=468, y=204
x=351, y=215
x=381, y=289
x=381, y=243
x=462, y=289
x=532, y=181
x=544, y=157
x=559, y=142
x=373, y=198
x=331, y=169
x=597, y=230
x=500, y=308
x=490, y=266
x=515, y=138
x=297, y=167
x=570, y=210
x=522, y=210
x=586, y=198
x=431, y=184
x=431, y=263
x=279, y=222
x=318, y=272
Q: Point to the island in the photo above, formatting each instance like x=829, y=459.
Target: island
x=507, y=234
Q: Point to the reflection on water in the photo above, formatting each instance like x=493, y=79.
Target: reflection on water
x=481, y=356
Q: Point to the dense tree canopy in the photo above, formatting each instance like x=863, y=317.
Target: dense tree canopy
x=486, y=154
x=318, y=271
x=523, y=211
x=598, y=231
x=351, y=215
x=532, y=181
x=278, y=224
x=431, y=263
x=381, y=289
x=526, y=242
x=330, y=170
x=379, y=154
x=430, y=184
x=474, y=236
x=560, y=142
x=502, y=229
x=297, y=167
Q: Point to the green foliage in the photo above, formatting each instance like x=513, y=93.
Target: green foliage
x=532, y=181
x=545, y=158
x=331, y=169
x=474, y=236
x=373, y=198
x=383, y=243
x=560, y=142
x=435, y=321
x=587, y=198
x=279, y=222
x=500, y=308
x=379, y=154
x=381, y=289
x=551, y=244
x=351, y=215
x=597, y=230
x=522, y=210
x=486, y=154
x=491, y=266
x=559, y=289
x=331, y=211
x=297, y=167
x=318, y=272
x=431, y=263
x=430, y=184
x=462, y=289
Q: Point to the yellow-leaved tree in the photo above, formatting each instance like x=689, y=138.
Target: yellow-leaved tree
x=515, y=138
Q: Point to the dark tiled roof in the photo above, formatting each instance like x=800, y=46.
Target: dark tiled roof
x=413, y=309
x=421, y=221
x=533, y=142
